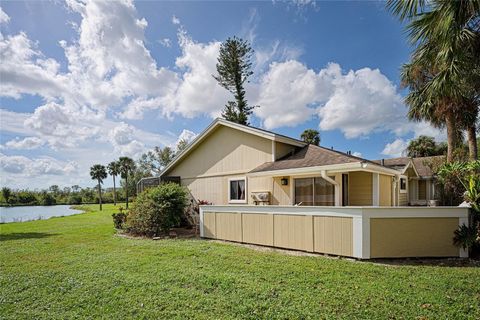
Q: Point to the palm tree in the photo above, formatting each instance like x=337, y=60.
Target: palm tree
x=311, y=136
x=127, y=165
x=443, y=75
x=114, y=169
x=98, y=172
x=423, y=146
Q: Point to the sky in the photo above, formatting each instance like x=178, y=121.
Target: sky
x=87, y=82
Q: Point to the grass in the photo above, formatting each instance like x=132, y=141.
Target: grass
x=76, y=267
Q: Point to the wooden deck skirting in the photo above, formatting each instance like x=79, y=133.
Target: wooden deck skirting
x=359, y=232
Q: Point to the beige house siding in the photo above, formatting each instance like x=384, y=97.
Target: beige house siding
x=412, y=237
x=282, y=149
x=257, y=229
x=226, y=151
x=321, y=234
x=360, y=188
x=385, y=190
x=281, y=194
x=293, y=232
x=211, y=189
x=333, y=235
x=402, y=198
x=422, y=190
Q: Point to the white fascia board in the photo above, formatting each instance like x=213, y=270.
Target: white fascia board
x=332, y=168
x=410, y=164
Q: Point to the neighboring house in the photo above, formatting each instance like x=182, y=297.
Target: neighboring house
x=230, y=163
x=420, y=181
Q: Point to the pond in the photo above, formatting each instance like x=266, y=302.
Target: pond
x=27, y=213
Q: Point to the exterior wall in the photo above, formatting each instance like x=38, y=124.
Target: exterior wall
x=282, y=194
x=422, y=190
x=360, y=232
x=385, y=190
x=333, y=235
x=282, y=149
x=293, y=232
x=225, y=152
x=360, y=188
x=412, y=237
x=402, y=198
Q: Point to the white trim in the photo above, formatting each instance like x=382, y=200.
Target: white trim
x=274, y=151
x=218, y=122
x=412, y=165
x=336, y=187
x=463, y=221
x=357, y=231
x=332, y=168
x=370, y=212
x=375, y=189
x=244, y=178
x=201, y=222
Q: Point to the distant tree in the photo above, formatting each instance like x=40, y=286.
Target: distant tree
x=311, y=136
x=6, y=193
x=423, y=146
x=54, y=189
x=114, y=170
x=47, y=199
x=127, y=165
x=233, y=70
x=75, y=188
x=181, y=145
x=154, y=161
x=98, y=172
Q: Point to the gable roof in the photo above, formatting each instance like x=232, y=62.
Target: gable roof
x=222, y=122
x=311, y=156
x=421, y=164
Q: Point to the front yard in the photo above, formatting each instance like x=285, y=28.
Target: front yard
x=76, y=267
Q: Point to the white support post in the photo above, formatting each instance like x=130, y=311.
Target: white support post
x=201, y=222
x=376, y=189
x=274, y=151
x=361, y=237
x=336, y=186
x=463, y=221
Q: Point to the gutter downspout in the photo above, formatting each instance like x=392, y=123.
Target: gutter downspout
x=323, y=173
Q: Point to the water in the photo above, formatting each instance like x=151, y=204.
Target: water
x=27, y=213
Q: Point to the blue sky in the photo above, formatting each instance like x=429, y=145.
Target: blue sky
x=86, y=82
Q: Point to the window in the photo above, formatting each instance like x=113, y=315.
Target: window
x=403, y=184
x=314, y=192
x=237, y=191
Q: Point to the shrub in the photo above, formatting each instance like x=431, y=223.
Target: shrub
x=119, y=219
x=75, y=199
x=157, y=209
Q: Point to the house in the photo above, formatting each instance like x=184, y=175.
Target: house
x=229, y=163
x=272, y=190
x=421, y=180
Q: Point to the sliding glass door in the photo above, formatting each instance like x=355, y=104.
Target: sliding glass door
x=314, y=192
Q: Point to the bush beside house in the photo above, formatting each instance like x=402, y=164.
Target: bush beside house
x=157, y=210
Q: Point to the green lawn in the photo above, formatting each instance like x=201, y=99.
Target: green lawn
x=75, y=267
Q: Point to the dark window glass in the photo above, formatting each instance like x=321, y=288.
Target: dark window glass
x=324, y=193
x=403, y=184
x=314, y=192
x=237, y=190
x=304, y=192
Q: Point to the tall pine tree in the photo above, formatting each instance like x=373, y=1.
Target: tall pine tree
x=233, y=69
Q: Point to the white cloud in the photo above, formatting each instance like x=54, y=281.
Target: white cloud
x=175, y=20
x=33, y=167
x=362, y=102
x=186, y=135
x=166, y=42
x=123, y=139
x=396, y=148
x=25, y=143
x=357, y=154
x=289, y=91
x=4, y=18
